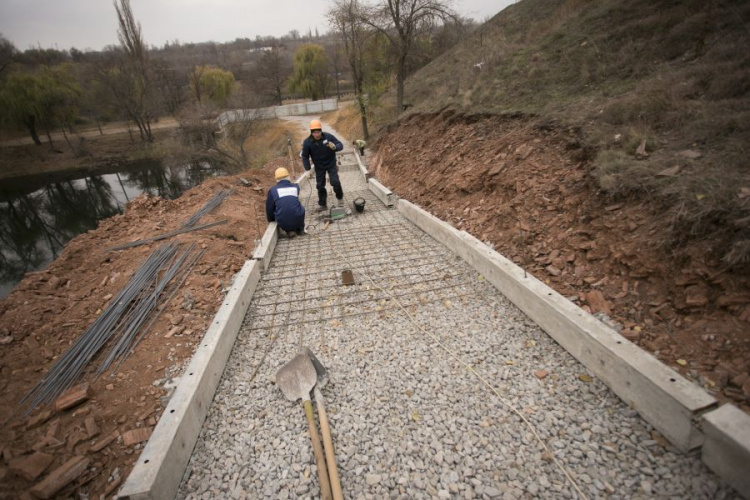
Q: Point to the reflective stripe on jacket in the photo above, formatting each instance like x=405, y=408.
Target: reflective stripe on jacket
x=283, y=205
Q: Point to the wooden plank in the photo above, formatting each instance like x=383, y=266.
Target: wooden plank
x=726, y=446
x=60, y=477
x=158, y=472
x=663, y=397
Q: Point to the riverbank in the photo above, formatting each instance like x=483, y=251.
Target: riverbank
x=50, y=309
x=86, y=153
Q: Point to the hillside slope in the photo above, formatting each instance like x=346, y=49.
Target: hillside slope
x=603, y=146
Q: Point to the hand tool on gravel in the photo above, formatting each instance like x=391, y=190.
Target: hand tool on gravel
x=325, y=429
x=296, y=379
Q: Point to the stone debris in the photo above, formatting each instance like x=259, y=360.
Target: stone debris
x=73, y=397
x=408, y=420
x=60, y=477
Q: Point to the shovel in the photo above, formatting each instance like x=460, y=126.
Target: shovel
x=333, y=471
x=296, y=379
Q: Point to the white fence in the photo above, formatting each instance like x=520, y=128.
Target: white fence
x=304, y=108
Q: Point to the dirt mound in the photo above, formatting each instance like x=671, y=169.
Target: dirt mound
x=525, y=188
x=49, y=309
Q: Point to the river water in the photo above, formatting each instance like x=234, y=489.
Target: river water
x=40, y=214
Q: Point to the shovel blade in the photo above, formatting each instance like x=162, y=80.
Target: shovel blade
x=297, y=378
x=320, y=369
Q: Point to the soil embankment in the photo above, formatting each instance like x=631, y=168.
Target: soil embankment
x=525, y=189
x=49, y=309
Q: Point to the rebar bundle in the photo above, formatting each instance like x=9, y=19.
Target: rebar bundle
x=208, y=207
x=121, y=320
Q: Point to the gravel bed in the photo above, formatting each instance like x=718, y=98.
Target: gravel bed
x=408, y=419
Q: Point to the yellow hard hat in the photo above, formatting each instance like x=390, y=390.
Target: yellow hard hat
x=281, y=173
x=316, y=125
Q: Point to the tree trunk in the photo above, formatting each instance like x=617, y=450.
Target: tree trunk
x=67, y=139
x=49, y=137
x=363, y=115
x=32, y=131
x=99, y=126
x=400, y=77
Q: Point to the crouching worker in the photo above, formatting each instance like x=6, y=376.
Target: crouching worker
x=283, y=205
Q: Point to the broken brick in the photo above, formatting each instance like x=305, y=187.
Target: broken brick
x=73, y=397
x=136, y=436
x=92, y=430
x=38, y=419
x=60, y=477
x=32, y=466
x=103, y=443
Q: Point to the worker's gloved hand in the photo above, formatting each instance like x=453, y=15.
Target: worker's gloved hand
x=332, y=146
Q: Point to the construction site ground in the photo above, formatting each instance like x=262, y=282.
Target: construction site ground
x=409, y=419
x=406, y=417
x=49, y=309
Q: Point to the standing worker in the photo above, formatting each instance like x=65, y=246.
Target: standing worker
x=321, y=147
x=283, y=205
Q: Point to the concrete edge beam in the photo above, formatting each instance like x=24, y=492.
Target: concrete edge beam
x=663, y=397
x=362, y=168
x=158, y=472
x=726, y=446
x=383, y=193
x=264, y=251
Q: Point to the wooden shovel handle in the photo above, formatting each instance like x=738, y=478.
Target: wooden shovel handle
x=320, y=461
x=325, y=429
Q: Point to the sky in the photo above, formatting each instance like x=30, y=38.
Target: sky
x=92, y=24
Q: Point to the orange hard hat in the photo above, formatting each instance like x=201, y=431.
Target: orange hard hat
x=316, y=125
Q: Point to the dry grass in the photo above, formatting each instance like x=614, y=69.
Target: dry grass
x=346, y=121
x=268, y=140
x=673, y=74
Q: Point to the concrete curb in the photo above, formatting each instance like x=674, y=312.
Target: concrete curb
x=383, y=193
x=362, y=168
x=663, y=397
x=726, y=446
x=264, y=251
x=159, y=470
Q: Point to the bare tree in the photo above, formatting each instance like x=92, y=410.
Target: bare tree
x=273, y=69
x=403, y=22
x=346, y=17
x=137, y=98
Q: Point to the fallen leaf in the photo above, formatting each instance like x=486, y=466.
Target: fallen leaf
x=699, y=196
x=447, y=303
x=669, y=172
x=585, y=378
x=510, y=362
x=415, y=416
x=531, y=343
x=659, y=439
x=682, y=362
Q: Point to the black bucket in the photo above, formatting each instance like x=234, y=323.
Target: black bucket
x=359, y=205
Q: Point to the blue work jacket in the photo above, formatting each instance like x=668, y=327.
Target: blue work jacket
x=318, y=151
x=284, y=207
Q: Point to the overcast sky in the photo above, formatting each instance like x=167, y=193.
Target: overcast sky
x=91, y=24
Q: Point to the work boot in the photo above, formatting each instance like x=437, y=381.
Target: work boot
x=322, y=208
x=340, y=203
x=291, y=234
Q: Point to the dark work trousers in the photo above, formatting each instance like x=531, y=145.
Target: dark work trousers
x=320, y=181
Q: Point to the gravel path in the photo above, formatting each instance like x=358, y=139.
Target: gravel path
x=408, y=420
